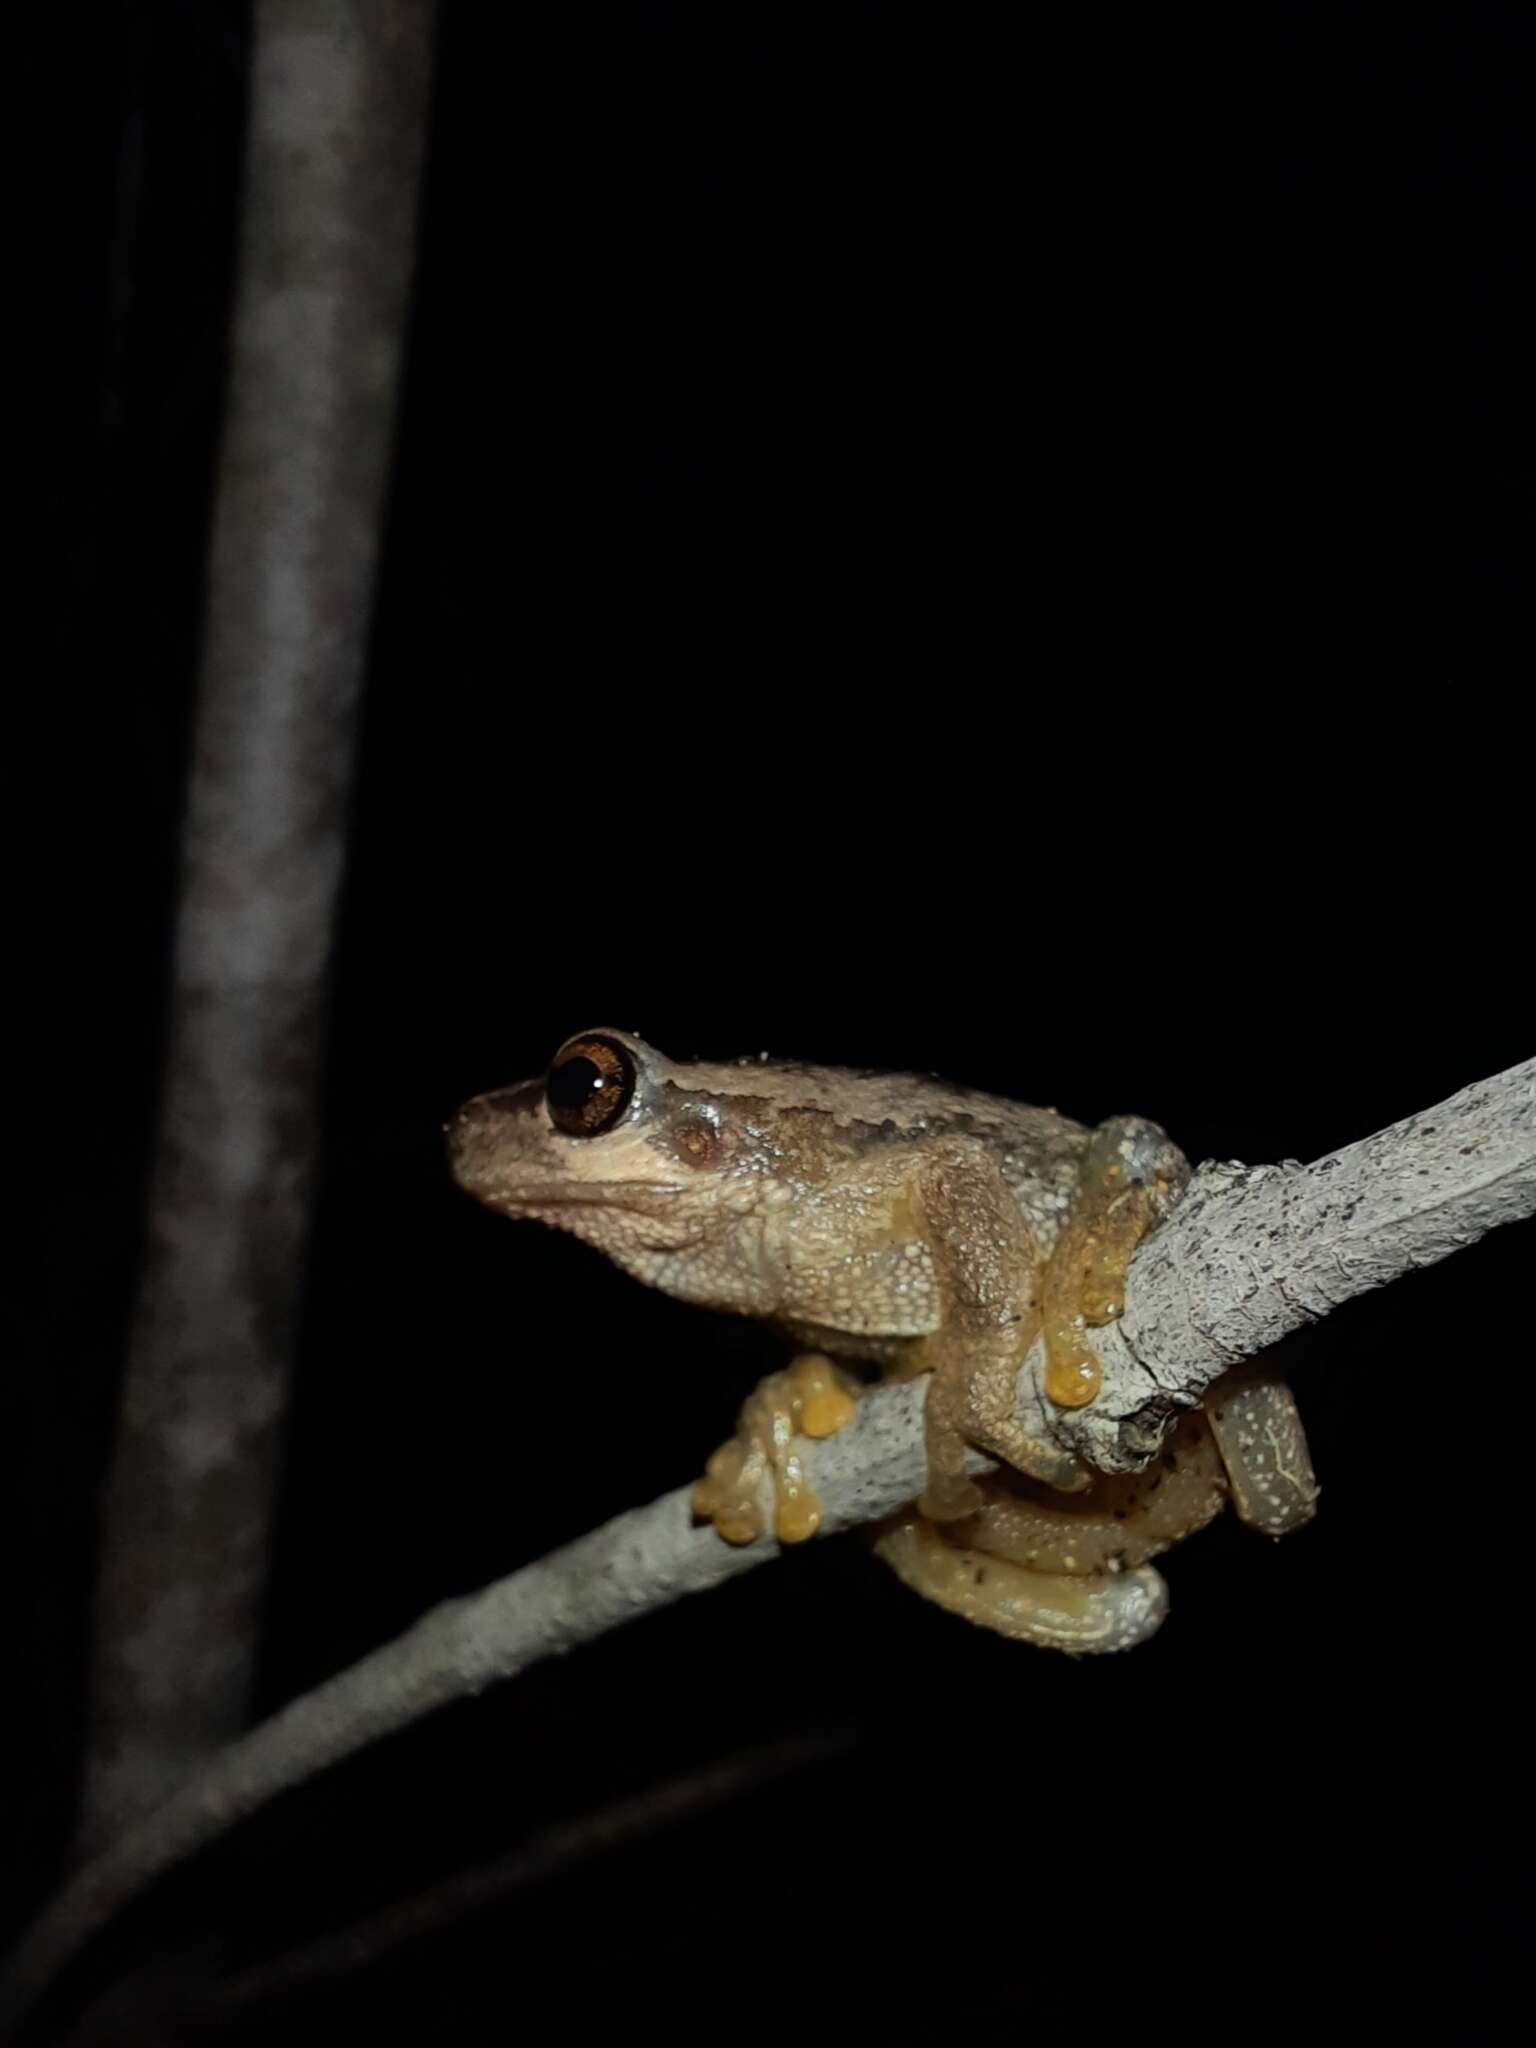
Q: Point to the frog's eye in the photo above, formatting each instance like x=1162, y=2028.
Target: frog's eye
x=589, y=1086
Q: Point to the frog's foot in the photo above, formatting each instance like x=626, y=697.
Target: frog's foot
x=1054, y=1610
x=970, y=1402
x=811, y=1397
x=1129, y=1178
x=1253, y=1418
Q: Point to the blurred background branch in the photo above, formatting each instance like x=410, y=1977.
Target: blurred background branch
x=337, y=121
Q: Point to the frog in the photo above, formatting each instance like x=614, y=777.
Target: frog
x=901, y=1225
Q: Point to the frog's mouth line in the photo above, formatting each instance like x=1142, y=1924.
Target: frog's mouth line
x=593, y=1195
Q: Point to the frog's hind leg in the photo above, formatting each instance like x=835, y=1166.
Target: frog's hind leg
x=810, y=1397
x=1252, y=1414
x=1052, y=1610
x=1065, y=1571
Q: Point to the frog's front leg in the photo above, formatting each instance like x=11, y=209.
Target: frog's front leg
x=810, y=1397
x=918, y=1256
x=986, y=1264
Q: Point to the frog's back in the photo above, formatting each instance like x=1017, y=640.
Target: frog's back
x=851, y=1110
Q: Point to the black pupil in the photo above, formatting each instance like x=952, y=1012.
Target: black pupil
x=573, y=1083
x=589, y=1091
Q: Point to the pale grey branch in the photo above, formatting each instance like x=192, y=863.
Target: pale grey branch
x=1248, y=1255
x=1253, y=1252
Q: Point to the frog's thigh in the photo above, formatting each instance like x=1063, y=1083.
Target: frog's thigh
x=1252, y=1414
x=1128, y=1179
x=1053, y=1610
x=811, y=1397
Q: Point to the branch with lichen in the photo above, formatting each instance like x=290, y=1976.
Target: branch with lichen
x=1248, y=1255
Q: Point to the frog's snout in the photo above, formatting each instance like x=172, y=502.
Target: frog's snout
x=477, y=1136
x=466, y=1132
x=484, y=1110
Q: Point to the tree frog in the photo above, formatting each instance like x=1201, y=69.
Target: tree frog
x=920, y=1228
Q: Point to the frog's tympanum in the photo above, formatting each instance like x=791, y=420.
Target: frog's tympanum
x=925, y=1229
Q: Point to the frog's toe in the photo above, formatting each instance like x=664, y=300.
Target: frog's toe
x=821, y=1396
x=811, y=1398
x=950, y=1497
x=1128, y=1179
x=1055, y=1611
x=729, y=1492
x=1007, y=1439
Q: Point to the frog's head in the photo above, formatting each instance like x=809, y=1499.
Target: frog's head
x=667, y=1169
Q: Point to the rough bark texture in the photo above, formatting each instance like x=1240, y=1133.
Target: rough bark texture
x=1248, y=1255
x=338, y=108
x=1253, y=1252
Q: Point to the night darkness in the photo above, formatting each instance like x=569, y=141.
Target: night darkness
x=985, y=541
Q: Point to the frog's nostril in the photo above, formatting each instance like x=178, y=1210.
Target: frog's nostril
x=467, y=1132
x=475, y=1129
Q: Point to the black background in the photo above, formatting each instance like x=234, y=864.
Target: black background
x=984, y=541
